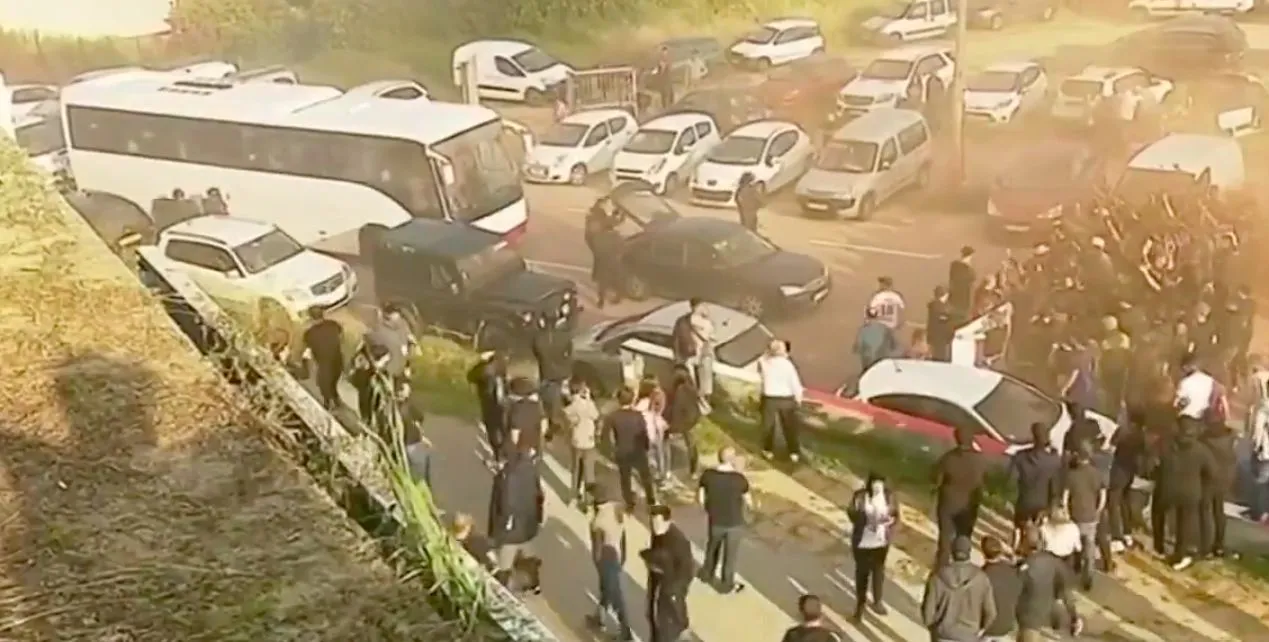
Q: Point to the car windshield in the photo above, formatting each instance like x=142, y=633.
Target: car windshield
x=1013, y=406
x=486, y=178
x=742, y=247
x=534, y=60
x=761, y=36
x=1043, y=170
x=650, y=141
x=564, y=135
x=994, y=81
x=40, y=138
x=882, y=69
x=267, y=251
x=490, y=265
x=738, y=150
x=1081, y=88
x=851, y=156
x=1138, y=185
x=744, y=348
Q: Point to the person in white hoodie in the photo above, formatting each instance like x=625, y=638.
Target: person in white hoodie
x=1258, y=439
x=582, y=416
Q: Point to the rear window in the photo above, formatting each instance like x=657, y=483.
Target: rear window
x=746, y=347
x=1013, y=406
x=1076, y=88
x=1037, y=171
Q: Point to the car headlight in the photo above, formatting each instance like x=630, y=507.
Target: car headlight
x=1051, y=213
x=527, y=317
x=885, y=98
x=660, y=165
x=792, y=290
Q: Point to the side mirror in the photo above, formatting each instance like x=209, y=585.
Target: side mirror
x=680, y=150
x=886, y=164
x=772, y=161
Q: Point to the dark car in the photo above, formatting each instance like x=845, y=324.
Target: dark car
x=729, y=106
x=673, y=256
x=118, y=221
x=805, y=91
x=468, y=281
x=1040, y=185
x=1184, y=47
x=995, y=14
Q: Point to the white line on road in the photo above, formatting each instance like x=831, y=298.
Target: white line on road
x=552, y=265
x=874, y=250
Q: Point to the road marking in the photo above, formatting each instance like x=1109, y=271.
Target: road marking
x=551, y=265
x=874, y=250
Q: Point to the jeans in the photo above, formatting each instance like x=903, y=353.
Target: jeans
x=583, y=469
x=689, y=445
x=723, y=545
x=610, y=595
x=1259, y=500
x=1089, y=545
x=1212, y=523
x=1184, y=516
x=659, y=459
x=553, y=405
x=705, y=373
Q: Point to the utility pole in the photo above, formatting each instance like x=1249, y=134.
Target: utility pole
x=958, y=91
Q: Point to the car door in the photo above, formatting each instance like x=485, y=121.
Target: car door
x=706, y=137
x=684, y=151
x=889, y=178
x=214, y=270
x=1034, y=87
x=929, y=434
x=598, y=146
x=778, y=157
x=655, y=351
x=659, y=262
x=507, y=81
x=793, y=44
x=927, y=68
x=621, y=128
x=620, y=365
x=704, y=277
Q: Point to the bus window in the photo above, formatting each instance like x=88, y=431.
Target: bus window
x=485, y=177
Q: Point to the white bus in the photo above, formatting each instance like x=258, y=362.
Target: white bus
x=316, y=161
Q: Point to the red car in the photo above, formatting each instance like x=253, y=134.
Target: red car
x=805, y=91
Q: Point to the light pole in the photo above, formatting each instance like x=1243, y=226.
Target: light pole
x=958, y=92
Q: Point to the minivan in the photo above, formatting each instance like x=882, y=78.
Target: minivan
x=867, y=162
x=510, y=70
x=1183, y=165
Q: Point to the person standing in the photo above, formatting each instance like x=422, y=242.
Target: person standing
x=1258, y=438
x=392, y=332
x=489, y=378
x=553, y=350
x=369, y=376
x=1185, y=469
x=874, y=518
x=670, y=572
x=781, y=398
x=684, y=415
x=1006, y=585
x=1127, y=464
x=626, y=430
x=940, y=324
x=812, y=628
x=1045, y=582
x=582, y=416
x=961, y=279
x=874, y=341
x=1221, y=443
x=516, y=515
x=324, y=343
x=664, y=74
x=888, y=304
x=605, y=245
x=650, y=400
x=1198, y=397
x=608, y=551
x=703, y=333
x=748, y=202
x=959, y=476
x=724, y=493
x=1085, y=499
x=958, y=604
x=525, y=419
x=1035, y=472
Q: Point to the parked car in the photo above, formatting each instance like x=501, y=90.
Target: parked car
x=511, y=70
x=995, y=407
x=118, y=221
x=1002, y=92
x=1077, y=96
x=673, y=256
x=995, y=14
x=1182, y=48
x=1147, y=9
x=777, y=42
x=27, y=99
x=730, y=106
x=902, y=21
x=665, y=151
x=43, y=141
x=1040, y=185
x=579, y=145
x=805, y=91
x=611, y=353
x=775, y=153
x=890, y=78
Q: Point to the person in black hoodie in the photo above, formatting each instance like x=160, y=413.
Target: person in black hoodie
x=1046, y=580
x=627, y=431
x=1128, y=461
x=684, y=413
x=1006, y=586
x=671, y=568
x=489, y=378
x=961, y=279
x=516, y=513
x=1035, y=471
x=958, y=603
x=959, y=476
x=1221, y=442
x=525, y=419
x=1185, y=470
x=940, y=324
x=812, y=628
x=604, y=242
x=553, y=350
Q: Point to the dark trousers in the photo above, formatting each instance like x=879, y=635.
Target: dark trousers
x=1212, y=524
x=366, y=403
x=723, y=545
x=628, y=465
x=667, y=613
x=1122, y=510
x=781, y=413
x=327, y=377
x=491, y=419
x=870, y=572
x=1185, y=519
x=941, y=350
x=552, y=393
x=958, y=521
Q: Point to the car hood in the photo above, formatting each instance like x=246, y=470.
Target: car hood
x=874, y=87
x=304, y=270
x=719, y=176
x=745, y=48
x=875, y=23
x=819, y=182
x=526, y=288
x=782, y=268
x=986, y=100
x=555, y=74
x=551, y=155
x=637, y=162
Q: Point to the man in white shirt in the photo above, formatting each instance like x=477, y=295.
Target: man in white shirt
x=1194, y=393
x=887, y=304
x=781, y=397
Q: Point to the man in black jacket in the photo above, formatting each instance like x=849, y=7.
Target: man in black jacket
x=748, y=201
x=1185, y=470
x=489, y=378
x=1035, y=471
x=1045, y=581
x=525, y=419
x=1221, y=442
x=515, y=518
x=959, y=476
x=1006, y=586
x=961, y=279
x=1128, y=461
x=627, y=431
x=812, y=628
x=553, y=350
x=671, y=568
x=324, y=343
x=940, y=325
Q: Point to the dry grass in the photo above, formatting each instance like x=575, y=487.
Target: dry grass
x=137, y=501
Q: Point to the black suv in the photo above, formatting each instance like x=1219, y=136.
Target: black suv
x=461, y=279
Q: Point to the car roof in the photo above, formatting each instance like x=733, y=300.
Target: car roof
x=593, y=116
x=1015, y=66
x=878, y=124
x=912, y=52
x=1187, y=152
x=439, y=237
x=728, y=323
x=789, y=23
x=676, y=121
x=701, y=228
x=232, y=231
x=1094, y=72
x=502, y=47
x=962, y=385
x=761, y=129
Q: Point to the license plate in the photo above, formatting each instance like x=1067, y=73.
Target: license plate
x=819, y=296
x=817, y=206
x=1017, y=228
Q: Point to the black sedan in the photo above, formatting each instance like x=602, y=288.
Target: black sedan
x=729, y=106
x=669, y=255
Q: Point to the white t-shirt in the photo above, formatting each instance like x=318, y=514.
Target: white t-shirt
x=888, y=305
x=1061, y=539
x=1194, y=394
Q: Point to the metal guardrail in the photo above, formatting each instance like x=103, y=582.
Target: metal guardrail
x=356, y=455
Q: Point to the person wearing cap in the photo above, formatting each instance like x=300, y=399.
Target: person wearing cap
x=888, y=304
x=1045, y=582
x=748, y=201
x=489, y=378
x=958, y=604
x=812, y=627
x=874, y=341
x=608, y=551
x=940, y=324
x=961, y=279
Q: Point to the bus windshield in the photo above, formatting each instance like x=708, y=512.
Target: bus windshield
x=486, y=178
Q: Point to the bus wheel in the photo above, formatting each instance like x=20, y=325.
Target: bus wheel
x=368, y=238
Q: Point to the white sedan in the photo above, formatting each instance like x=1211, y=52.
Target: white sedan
x=1004, y=91
x=946, y=397
x=776, y=153
x=581, y=144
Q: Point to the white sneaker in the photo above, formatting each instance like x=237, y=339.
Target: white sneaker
x=1117, y=546
x=1183, y=563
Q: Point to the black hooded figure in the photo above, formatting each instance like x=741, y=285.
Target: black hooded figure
x=748, y=202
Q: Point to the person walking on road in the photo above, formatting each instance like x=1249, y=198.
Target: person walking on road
x=553, y=351
x=627, y=431
x=525, y=420
x=874, y=518
x=961, y=279
x=888, y=304
x=516, y=514
x=608, y=550
x=1258, y=438
x=1045, y=582
x=670, y=573
x=489, y=378
x=958, y=604
x=1085, y=500
x=748, y=202
x=1127, y=464
x=604, y=243
x=781, y=398
x=959, y=476
x=1035, y=472
x=1006, y=585
x=582, y=417
x=724, y=493
x=874, y=341
x=812, y=628
x=324, y=344
x=684, y=415
x=940, y=325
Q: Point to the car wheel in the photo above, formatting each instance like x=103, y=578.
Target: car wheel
x=1048, y=13
x=866, y=206
x=817, y=50
x=894, y=39
x=577, y=175
x=997, y=22
x=636, y=288
x=752, y=305
x=534, y=98
x=492, y=336
x=671, y=186
x=764, y=64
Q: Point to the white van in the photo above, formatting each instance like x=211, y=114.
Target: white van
x=867, y=162
x=904, y=20
x=511, y=70
x=1183, y=164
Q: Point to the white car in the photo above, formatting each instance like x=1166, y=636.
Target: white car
x=665, y=150
x=905, y=20
x=892, y=76
x=994, y=406
x=1160, y=8
x=250, y=265
x=777, y=42
x=43, y=141
x=509, y=70
x=1078, y=95
x=581, y=144
x=1003, y=91
x=776, y=153
x=28, y=98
